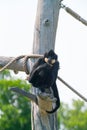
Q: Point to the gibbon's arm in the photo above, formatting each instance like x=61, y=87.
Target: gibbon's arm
x=38, y=62
x=34, y=73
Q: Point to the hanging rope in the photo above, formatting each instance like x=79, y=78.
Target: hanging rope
x=74, y=14
x=26, y=57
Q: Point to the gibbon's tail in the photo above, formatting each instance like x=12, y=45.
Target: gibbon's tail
x=57, y=106
x=56, y=95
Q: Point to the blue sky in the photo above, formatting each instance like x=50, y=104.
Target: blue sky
x=17, y=19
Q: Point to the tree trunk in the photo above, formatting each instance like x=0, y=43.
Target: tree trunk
x=44, y=40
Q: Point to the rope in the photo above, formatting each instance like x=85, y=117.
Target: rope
x=18, y=58
x=11, y=62
x=26, y=57
x=69, y=86
x=25, y=64
x=74, y=14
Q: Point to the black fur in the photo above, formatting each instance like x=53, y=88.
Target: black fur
x=44, y=75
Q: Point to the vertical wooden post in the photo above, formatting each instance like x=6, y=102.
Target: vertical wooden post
x=44, y=40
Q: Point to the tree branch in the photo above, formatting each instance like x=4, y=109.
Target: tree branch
x=16, y=63
x=32, y=97
x=43, y=100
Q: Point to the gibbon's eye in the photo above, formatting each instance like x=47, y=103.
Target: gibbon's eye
x=53, y=61
x=46, y=59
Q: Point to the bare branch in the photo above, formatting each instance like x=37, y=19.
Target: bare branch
x=43, y=100
x=16, y=63
x=32, y=97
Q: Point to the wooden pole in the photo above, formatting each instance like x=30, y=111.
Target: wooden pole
x=44, y=40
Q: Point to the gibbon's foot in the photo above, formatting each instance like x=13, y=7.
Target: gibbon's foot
x=49, y=90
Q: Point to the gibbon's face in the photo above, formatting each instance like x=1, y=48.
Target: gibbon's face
x=50, y=57
x=50, y=61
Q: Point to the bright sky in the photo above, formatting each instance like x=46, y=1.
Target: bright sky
x=17, y=19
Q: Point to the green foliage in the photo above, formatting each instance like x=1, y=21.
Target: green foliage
x=14, y=108
x=5, y=74
x=74, y=118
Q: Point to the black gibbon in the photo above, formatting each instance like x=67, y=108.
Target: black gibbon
x=44, y=74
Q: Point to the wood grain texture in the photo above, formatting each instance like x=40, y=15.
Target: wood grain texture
x=44, y=40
